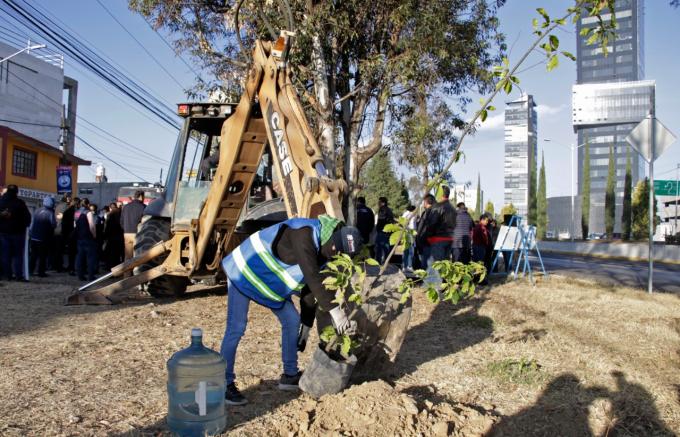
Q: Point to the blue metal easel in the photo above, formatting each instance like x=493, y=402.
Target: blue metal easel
x=524, y=241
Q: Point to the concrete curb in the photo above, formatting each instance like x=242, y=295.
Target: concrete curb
x=665, y=254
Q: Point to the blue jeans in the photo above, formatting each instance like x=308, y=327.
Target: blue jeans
x=12, y=246
x=87, y=255
x=382, y=246
x=407, y=258
x=237, y=320
x=437, y=252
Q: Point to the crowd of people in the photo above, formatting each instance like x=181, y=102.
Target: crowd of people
x=441, y=232
x=71, y=235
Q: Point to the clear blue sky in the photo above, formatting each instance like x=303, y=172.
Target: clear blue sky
x=484, y=152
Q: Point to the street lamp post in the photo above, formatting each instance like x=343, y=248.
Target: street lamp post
x=572, y=150
x=677, y=196
x=28, y=48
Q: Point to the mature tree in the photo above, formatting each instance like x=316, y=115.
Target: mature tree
x=585, y=192
x=610, y=196
x=489, y=208
x=532, y=210
x=379, y=179
x=423, y=138
x=640, y=206
x=542, y=203
x=508, y=209
x=354, y=61
x=626, y=216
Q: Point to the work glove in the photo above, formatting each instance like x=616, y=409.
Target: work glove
x=303, y=335
x=341, y=323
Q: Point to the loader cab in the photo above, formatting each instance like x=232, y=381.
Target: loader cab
x=194, y=161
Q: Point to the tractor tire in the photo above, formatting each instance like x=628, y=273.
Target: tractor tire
x=382, y=323
x=150, y=232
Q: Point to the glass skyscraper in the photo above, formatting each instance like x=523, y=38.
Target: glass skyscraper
x=521, y=149
x=609, y=100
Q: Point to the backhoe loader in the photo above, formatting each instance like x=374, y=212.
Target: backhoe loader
x=207, y=211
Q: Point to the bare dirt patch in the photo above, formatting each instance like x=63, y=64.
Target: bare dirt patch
x=564, y=358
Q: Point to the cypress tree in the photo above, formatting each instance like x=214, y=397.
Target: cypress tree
x=640, y=207
x=585, y=192
x=610, y=196
x=478, y=204
x=626, y=218
x=542, y=203
x=532, y=207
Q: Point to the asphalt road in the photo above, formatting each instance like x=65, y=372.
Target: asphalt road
x=627, y=273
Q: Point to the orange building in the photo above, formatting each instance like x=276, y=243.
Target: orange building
x=32, y=166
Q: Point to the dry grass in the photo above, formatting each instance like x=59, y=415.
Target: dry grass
x=607, y=362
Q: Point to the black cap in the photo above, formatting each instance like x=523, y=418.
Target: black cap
x=348, y=240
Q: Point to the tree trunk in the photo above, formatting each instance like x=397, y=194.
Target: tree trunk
x=325, y=106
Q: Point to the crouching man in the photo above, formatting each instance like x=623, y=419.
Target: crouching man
x=268, y=268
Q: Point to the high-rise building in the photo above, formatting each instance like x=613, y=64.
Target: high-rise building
x=609, y=100
x=521, y=149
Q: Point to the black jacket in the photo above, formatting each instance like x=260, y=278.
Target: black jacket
x=385, y=217
x=296, y=247
x=14, y=215
x=365, y=221
x=131, y=216
x=441, y=222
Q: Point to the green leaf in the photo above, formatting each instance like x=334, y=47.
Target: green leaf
x=356, y=297
x=491, y=108
x=508, y=87
x=420, y=273
x=560, y=21
x=552, y=62
x=569, y=55
x=395, y=238
x=534, y=23
x=371, y=262
x=585, y=31
x=483, y=114
x=404, y=297
x=554, y=42
x=432, y=295
x=392, y=227
x=346, y=345
x=327, y=334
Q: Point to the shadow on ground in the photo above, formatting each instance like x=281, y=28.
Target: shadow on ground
x=562, y=409
x=450, y=329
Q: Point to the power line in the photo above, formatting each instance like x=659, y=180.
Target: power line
x=136, y=148
x=86, y=56
x=111, y=160
x=181, y=58
x=29, y=123
x=140, y=45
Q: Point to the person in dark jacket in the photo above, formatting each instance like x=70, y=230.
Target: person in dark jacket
x=113, y=237
x=268, y=268
x=86, y=237
x=41, y=235
x=480, y=239
x=14, y=219
x=59, y=242
x=130, y=217
x=421, y=235
x=365, y=219
x=382, y=238
x=462, y=249
x=439, y=230
x=68, y=223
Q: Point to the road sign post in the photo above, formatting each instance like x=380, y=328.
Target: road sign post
x=650, y=138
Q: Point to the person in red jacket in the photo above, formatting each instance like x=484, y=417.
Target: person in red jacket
x=480, y=239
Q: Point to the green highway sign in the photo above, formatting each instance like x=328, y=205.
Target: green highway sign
x=666, y=188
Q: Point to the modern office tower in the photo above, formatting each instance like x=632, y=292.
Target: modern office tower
x=521, y=149
x=609, y=100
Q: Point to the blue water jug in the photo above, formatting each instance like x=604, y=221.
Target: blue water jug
x=196, y=385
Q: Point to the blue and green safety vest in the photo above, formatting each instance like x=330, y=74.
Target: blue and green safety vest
x=254, y=269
